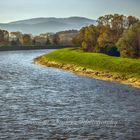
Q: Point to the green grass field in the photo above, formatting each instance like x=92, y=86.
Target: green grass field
x=125, y=66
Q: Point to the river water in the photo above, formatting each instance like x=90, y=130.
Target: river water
x=39, y=103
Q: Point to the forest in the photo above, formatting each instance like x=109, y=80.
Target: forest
x=115, y=35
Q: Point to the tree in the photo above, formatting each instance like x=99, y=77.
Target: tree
x=132, y=20
x=27, y=39
x=129, y=43
x=116, y=24
x=56, y=39
x=104, y=38
x=16, y=38
x=34, y=42
x=91, y=36
x=87, y=38
x=48, y=42
x=15, y=42
x=4, y=37
x=84, y=46
x=79, y=38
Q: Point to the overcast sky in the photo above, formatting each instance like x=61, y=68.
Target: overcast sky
x=12, y=10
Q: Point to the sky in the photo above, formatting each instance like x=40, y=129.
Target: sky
x=13, y=10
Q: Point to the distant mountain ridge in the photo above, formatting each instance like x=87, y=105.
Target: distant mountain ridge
x=42, y=25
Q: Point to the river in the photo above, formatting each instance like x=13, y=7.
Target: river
x=39, y=103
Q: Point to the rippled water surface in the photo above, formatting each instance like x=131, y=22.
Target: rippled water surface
x=51, y=104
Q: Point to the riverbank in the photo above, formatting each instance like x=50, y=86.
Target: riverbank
x=99, y=66
x=32, y=47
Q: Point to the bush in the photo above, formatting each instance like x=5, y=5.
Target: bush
x=110, y=50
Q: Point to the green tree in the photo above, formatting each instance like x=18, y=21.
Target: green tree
x=84, y=46
x=129, y=43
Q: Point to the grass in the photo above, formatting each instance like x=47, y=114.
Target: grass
x=122, y=66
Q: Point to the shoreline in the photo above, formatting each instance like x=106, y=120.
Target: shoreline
x=100, y=75
x=32, y=47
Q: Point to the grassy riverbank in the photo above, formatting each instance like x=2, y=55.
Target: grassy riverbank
x=100, y=66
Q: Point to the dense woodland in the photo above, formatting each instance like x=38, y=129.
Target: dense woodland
x=115, y=35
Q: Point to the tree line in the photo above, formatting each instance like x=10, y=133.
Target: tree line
x=44, y=39
x=115, y=35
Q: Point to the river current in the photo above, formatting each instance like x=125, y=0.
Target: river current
x=39, y=103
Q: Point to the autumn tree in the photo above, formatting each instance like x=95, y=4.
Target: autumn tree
x=27, y=39
x=16, y=38
x=116, y=24
x=79, y=38
x=56, y=39
x=48, y=42
x=105, y=42
x=131, y=20
x=91, y=36
x=4, y=37
x=103, y=37
x=87, y=38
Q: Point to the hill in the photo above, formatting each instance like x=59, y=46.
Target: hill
x=41, y=25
